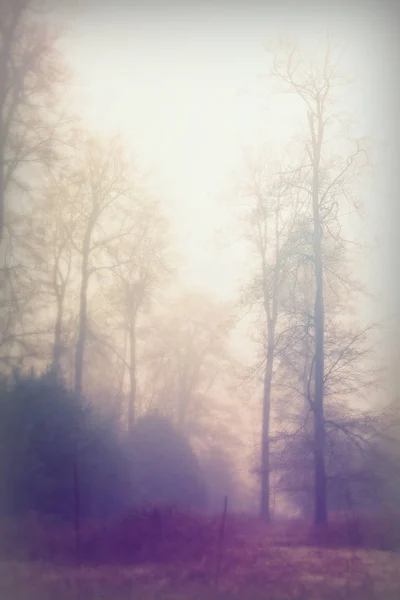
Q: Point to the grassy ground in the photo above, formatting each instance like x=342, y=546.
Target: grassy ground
x=295, y=573
x=257, y=564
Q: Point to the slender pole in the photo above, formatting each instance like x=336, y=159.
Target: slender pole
x=220, y=540
x=77, y=515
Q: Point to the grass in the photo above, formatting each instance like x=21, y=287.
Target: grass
x=283, y=561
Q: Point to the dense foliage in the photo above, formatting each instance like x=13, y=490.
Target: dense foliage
x=46, y=429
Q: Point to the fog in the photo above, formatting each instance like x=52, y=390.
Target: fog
x=199, y=273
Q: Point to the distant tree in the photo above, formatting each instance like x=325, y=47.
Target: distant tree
x=165, y=469
x=381, y=462
x=219, y=477
x=48, y=254
x=31, y=74
x=187, y=356
x=101, y=177
x=34, y=129
x=139, y=267
x=269, y=209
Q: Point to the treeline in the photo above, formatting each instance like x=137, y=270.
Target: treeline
x=327, y=423
x=90, y=302
x=87, y=296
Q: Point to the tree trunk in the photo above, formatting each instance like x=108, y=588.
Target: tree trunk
x=319, y=423
x=2, y=146
x=8, y=39
x=57, y=349
x=271, y=308
x=123, y=370
x=82, y=330
x=132, y=370
x=182, y=406
x=2, y=190
x=265, y=462
x=321, y=515
x=3, y=82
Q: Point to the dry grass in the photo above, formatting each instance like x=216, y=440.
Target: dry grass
x=284, y=561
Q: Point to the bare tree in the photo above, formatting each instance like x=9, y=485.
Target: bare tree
x=187, y=356
x=49, y=227
x=31, y=72
x=33, y=129
x=269, y=216
x=325, y=176
x=103, y=180
x=349, y=418
x=139, y=265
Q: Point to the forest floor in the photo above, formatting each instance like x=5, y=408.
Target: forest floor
x=257, y=563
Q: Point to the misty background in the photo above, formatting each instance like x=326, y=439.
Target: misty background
x=131, y=273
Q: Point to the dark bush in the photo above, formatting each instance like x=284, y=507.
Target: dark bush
x=165, y=470
x=44, y=429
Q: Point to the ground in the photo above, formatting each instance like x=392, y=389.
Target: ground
x=257, y=564
x=284, y=573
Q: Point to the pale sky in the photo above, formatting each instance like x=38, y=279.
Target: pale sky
x=180, y=83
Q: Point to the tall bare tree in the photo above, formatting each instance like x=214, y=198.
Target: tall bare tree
x=31, y=72
x=102, y=177
x=139, y=266
x=331, y=159
x=49, y=227
x=33, y=129
x=269, y=216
